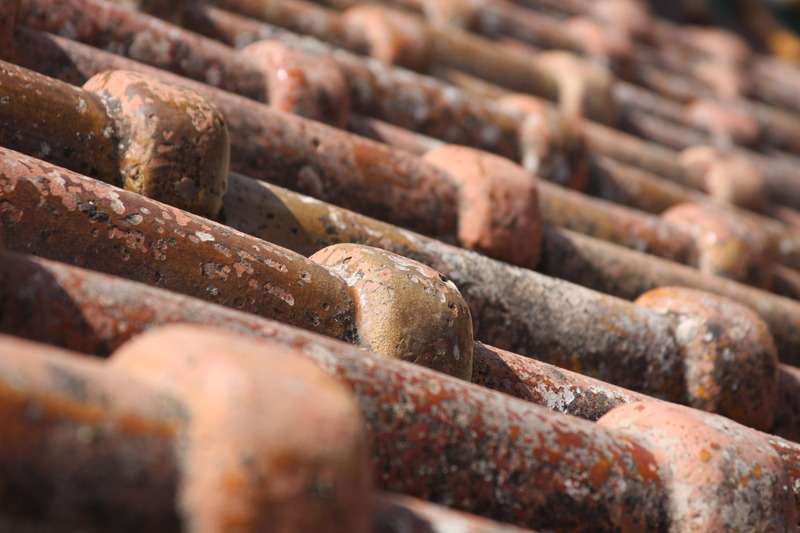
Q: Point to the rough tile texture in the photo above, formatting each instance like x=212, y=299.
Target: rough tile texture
x=271, y=217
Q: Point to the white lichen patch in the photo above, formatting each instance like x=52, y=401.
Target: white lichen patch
x=557, y=401
x=116, y=205
x=203, y=236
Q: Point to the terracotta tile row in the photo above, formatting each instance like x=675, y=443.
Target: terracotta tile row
x=302, y=141
x=629, y=228
x=185, y=429
x=180, y=428
x=184, y=252
x=474, y=442
x=555, y=64
x=349, y=292
x=602, y=139
x=75, y=196
x=92, y=313
x=212, y=270
x=375, y=87
x=622, y=35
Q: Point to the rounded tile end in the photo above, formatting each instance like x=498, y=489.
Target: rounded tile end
x=271, y=443
x=553, y=146
x=719, y=475
x=730, y=359
x=726, y=178
x=498, y=204
x=404, y=309
x=304, y=84
x=724, y=244
x=173, y=142
x=585, y=88
x=390, y=35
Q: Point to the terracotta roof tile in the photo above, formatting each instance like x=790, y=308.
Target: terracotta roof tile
x=199, y=202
